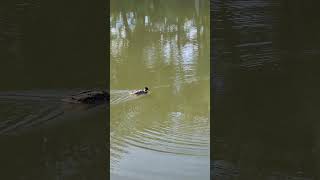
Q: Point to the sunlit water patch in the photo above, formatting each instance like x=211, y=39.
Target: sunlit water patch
x=164, y=134
x=141, y=125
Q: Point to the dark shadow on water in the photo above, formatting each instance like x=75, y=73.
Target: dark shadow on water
x=265, y=89
x=53, y=45
x=51, y=140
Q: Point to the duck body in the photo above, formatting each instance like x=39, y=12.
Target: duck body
x=141, y=92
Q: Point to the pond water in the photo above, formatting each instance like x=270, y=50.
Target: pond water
x=166, y=47
x=45, y=55
x=265, y=81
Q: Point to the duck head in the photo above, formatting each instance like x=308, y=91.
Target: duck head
x=146, y=89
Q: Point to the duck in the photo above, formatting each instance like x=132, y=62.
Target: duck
x=141, y=92
x=89, y=97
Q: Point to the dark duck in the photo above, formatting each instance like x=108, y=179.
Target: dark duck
x=89, y=97
x=141, y=92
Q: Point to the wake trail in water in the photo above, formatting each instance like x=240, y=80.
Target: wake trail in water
x=32, y=96
x=24, y=110
x=121, y=96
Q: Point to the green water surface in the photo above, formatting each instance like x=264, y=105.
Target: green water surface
x=163, y=45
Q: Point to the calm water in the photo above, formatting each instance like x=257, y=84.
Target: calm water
x=45, y=55
x=265, y=119
x=165, y=46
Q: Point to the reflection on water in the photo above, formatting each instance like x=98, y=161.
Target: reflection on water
x=164, y=46
x=265, y=120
